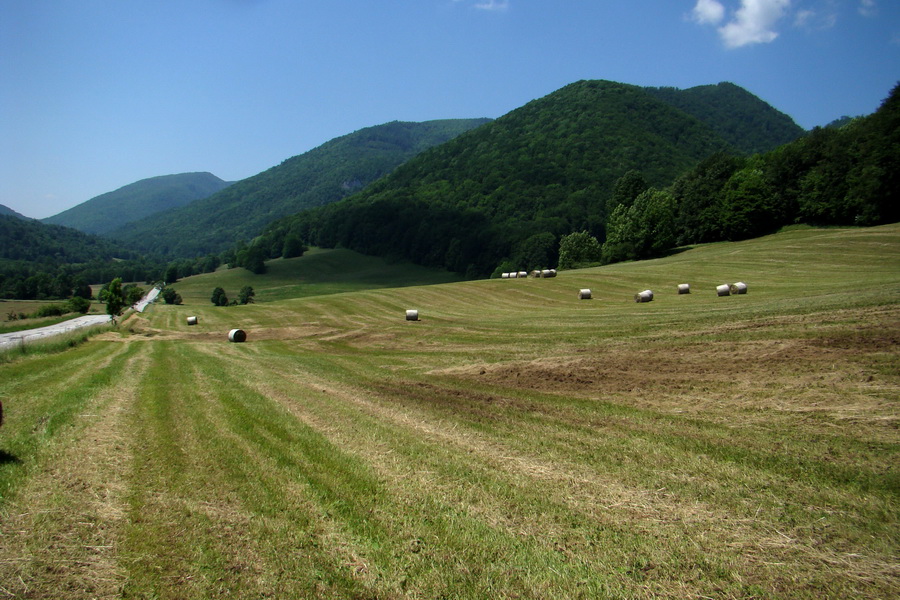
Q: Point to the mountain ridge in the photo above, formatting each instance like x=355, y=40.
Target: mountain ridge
x=324, y=174
x=132, y=202
x=511, y=188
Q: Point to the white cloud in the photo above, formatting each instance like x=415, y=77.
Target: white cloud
x=709, y=12
x=753, y=23
x=868, y=8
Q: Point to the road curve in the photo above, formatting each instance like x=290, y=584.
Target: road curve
x=8, y=340
x=30, y=335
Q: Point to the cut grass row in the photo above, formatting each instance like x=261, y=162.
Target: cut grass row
x=517, y=442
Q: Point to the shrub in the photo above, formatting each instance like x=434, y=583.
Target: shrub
x=79, y=305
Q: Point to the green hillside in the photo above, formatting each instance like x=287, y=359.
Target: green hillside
x=318, y=272
x=743, y=120
x=515, y=442
x=39, y=261
x=323, y=175
x=511, y=188
x=7, y=211
x=110, y=211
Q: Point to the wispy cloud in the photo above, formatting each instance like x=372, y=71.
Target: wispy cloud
x=815, y=20
x=492, y=5
x=868, y=8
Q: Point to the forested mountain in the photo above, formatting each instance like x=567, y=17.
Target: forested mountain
x=323, y=175
x=743, y=120
x=510, y=189
x=45, y=261
x=135, y=201
x=7, y=211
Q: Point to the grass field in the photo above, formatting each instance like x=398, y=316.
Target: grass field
x=318, y=272
x=516, y=442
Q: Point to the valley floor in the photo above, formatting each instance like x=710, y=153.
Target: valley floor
x=514, y=443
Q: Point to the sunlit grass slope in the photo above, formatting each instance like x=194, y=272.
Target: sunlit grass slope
x=316, y=273
x=516, y=442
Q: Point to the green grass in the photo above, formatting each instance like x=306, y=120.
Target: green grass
x=515, y=443
x=318, y=272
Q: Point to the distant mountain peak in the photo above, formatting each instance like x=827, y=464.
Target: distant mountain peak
x=7, y=211
x=137, y=200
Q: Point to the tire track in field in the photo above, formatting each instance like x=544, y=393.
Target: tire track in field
x=606, y=504
x=61, y=535
x=748, y=544
x=213, y=496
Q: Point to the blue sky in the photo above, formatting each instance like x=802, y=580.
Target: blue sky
x=97, y=94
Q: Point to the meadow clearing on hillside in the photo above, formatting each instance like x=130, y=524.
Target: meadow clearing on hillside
x=516, y=442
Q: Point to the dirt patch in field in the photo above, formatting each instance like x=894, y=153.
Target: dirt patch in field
x=849, y=373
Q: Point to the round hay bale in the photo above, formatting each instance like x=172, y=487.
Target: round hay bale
x=552, y=272
x=584, y=294
x=513, y=274
x=645, y=296
x=738, y=288
x=546, y=273
x=684, y=288
x=412, y=315
x=192, y=320
x=523, y=274
x=504, y=276
x=237, y=335
x=723, y=290
x=535, y=273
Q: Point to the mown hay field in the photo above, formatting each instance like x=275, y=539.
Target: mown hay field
x=515, y=442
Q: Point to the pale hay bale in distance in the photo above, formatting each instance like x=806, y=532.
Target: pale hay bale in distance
x=412, y=315
x=723, y=290
x=192, y=320
x=237, y=335
x=684, y=288
x=645, y=296
x=738, y=288
x=584, y=294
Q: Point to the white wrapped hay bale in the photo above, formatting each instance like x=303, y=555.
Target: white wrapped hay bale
x=523, y=274
x=504, y=276
x=723, y=290
x=684, y=288
x=584, y=294
x=645, y=296
x=412, y=315
x=513, y=274
x=192, y=320
x=738, y=288
x=237, y=335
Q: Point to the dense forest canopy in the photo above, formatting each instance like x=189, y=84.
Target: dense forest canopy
x=323, y=175
x=135, y=201
x=39, y=261
x=511, y=189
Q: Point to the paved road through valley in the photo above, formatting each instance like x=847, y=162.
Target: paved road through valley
x=8, y=340
x=30, y=335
